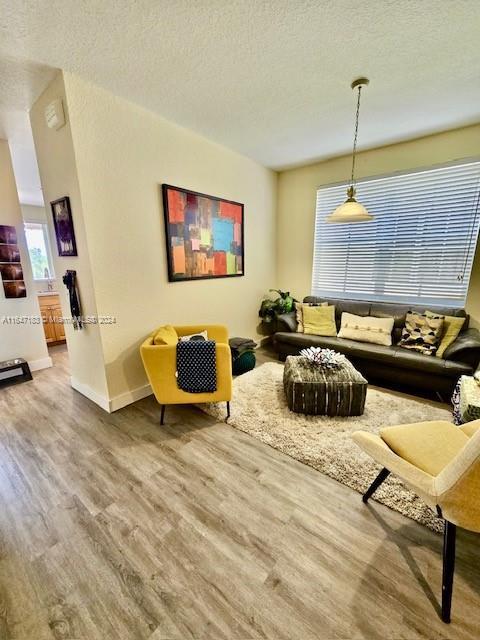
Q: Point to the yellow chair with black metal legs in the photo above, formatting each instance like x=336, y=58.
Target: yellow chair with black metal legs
x=441, y=464
x=160, y=362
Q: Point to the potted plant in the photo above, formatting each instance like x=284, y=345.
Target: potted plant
x=272, y=307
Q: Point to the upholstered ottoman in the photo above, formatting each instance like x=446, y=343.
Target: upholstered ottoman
x=469, y=399
x=313, y=390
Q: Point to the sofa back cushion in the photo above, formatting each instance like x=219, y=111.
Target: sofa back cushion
x=397, y=310
x=366, y=329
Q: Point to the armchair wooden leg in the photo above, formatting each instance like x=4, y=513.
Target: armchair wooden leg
x=228, y=410
x=382, y=476
x=449, y=539
x=162, y=414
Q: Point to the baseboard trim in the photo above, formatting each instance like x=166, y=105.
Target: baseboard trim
x=122, y=400
x=42, y=363
x=113, y=404
x=92, y=395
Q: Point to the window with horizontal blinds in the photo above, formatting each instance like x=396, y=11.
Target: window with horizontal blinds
x=418, y=249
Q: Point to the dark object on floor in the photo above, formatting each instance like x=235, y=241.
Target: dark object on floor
x=314, y=390
x=197, y=366
x=11, y=365
x=244, y=362
x=243, y=356
x=388, y=365
x=70, y=281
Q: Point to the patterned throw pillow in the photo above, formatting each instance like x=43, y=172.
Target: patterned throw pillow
x=299, y=312
x=421, y=333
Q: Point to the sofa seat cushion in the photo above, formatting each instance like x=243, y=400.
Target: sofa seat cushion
x=396, y=356
x=405, y=359
x=430, y=446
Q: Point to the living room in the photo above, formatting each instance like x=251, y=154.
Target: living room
x=191, y=187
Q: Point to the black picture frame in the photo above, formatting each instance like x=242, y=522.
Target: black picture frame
x=64, y=231
x=174, y=276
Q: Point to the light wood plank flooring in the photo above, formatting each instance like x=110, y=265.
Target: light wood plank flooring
x=113, y=527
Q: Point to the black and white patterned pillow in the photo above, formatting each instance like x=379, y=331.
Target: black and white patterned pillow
x=197, y=366
x=422, y=333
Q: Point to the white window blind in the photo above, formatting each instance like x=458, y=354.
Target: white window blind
x=418, y=249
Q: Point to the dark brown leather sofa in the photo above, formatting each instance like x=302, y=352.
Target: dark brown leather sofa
x=389, y=364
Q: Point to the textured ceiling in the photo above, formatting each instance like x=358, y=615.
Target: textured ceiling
x=268, y=78
x=21, y=82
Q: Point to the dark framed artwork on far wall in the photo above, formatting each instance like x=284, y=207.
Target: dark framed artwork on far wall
x=204, y=234
x=63, y=223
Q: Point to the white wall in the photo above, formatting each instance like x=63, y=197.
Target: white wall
x=19, y=340
x=58, y=174
x=122, y=155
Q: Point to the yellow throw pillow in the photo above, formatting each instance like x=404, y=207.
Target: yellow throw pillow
x=452, y=325
x=299, y=312
x=166, y=335
x=319, y=321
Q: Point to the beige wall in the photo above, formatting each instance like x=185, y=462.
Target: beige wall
x=473, y=298
x=123, y=154
x=19, y=340
x=297, y=194
x=58, y=174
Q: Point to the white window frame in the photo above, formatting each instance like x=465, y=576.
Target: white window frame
x=354, y=229
x=43, y=225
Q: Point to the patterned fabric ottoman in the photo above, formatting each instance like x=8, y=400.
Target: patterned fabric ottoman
x=330, y=392
x=469, y=399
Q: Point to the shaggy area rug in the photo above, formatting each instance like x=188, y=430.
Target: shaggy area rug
x=259, y=408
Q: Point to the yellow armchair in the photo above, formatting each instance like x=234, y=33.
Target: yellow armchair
x=160, y=362
x=441, y=463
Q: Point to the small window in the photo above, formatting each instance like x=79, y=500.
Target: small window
x=39, y=249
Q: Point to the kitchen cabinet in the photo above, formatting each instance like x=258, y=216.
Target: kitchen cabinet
x=51, y=313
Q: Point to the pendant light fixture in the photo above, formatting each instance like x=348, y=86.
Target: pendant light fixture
x=351, y=210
